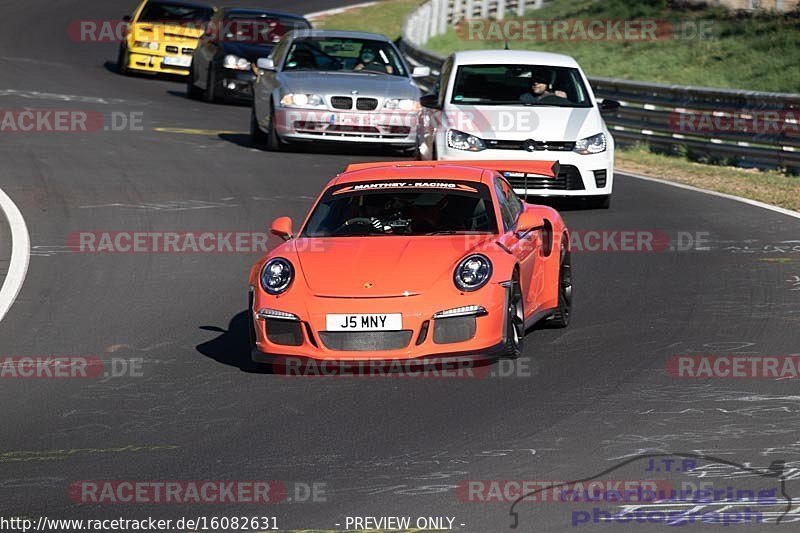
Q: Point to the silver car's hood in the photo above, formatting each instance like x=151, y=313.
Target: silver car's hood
x=344, y=83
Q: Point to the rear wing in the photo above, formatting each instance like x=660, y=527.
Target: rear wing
x=508, y=168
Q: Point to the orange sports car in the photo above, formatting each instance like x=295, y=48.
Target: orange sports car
x=413, y=261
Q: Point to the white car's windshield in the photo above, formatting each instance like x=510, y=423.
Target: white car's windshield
x=529, y=85
x=345, y=54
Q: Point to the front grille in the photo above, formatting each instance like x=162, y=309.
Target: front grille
x=455, y=329
x=340, y=128
x=341, y=102
x=284, y=332
x=359, y=341
x=600, y=178
x=366, y=104
x=568, y=179
x=172, y=49
x=553, y=146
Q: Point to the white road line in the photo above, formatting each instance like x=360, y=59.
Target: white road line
x=756, y=203
x=20, y=254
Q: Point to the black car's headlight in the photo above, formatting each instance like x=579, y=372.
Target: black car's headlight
x=235, y=62
x=591, y=145
x=464, y=141
x=277, y=275
x=472, y=272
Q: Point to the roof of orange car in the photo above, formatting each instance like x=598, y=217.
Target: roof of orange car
x=440, y=170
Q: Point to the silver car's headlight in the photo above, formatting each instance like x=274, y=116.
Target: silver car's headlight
x=235, y=62
x=472, y=272
x=464, y=141
x=402, y=104
x=145, y=44
x=277, y=275
x=302, y=100
x=591, y=145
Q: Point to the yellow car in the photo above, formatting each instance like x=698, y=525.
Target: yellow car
x=162, y=36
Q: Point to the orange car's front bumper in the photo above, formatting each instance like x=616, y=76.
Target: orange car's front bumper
x=476, y=334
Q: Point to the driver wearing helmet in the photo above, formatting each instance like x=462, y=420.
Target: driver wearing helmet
x=541, y=87
x=368, y=60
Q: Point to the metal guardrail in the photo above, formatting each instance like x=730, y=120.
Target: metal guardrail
x=746, y=128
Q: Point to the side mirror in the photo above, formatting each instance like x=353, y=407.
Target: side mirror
x=430, y=101
x=265, y=63
x=529, y=220
x=282, y=227
x=421, y=72
x=609, y=105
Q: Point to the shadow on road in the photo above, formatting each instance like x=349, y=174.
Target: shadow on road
x=232, y=346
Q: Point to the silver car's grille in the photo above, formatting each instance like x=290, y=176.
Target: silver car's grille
x=341, y=102
x=366, y=104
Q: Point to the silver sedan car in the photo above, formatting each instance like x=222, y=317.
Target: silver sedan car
x=342, y=86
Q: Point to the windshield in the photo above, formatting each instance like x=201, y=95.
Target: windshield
x=402, y=208
x=344, y=54
x=529, y=85
x=258, y=29
x=166, y=12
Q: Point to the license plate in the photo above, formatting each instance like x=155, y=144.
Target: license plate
x=353, y=120
x=177, y=61
x=364, y=322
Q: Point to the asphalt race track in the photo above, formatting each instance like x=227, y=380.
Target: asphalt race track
x=581, y=400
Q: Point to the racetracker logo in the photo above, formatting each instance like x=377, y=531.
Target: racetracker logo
x=734, y=366
x=69, y=367
x=596, y=30
x=178, y=492
x=465, y=369
x=159, y=242
x=597, y=490
x=68, y=121
x=753, y=121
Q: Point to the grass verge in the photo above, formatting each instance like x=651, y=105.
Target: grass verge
x=385, y=17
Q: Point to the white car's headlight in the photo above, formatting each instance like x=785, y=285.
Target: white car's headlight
x=591, y=145
x=472, y=272
x=402, y=104
x=277, y=275
x=145, y=44
x=302, y=100
x=464, y=141
x=235, y=62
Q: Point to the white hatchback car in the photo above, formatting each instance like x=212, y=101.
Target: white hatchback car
x=509, y=104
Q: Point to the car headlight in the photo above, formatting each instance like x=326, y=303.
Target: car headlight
x=145, y=44
x=235, y=62
x=591, y=145
x=403, y=104
x=302, y=100
x=464, y=141
x=277, y=275
x=472, y=272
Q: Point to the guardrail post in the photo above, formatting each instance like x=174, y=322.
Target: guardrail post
x=484, y=9
x=520, y=8
x=457, y=8
x=441, y=29
x=501, y=9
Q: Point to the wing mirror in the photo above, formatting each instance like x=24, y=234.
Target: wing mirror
x=265, y=63
x=609, y=105
x=431, y=101
x=529, y=220
x=421, y=72
x=282, y=227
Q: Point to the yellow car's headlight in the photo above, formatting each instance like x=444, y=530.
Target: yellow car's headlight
x=145, y=44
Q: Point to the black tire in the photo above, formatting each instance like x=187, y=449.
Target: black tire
x=274, y=143
x=210, y=92
x=122, y=59
x=515, y=320
x=192, y=91
x=601, y=202
x=257, y=135
x=563, y=313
